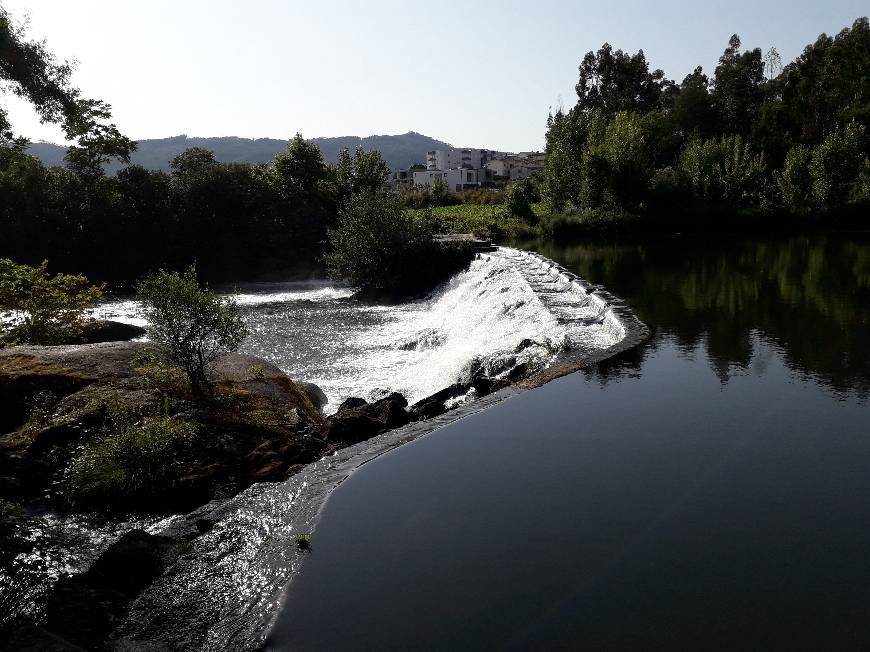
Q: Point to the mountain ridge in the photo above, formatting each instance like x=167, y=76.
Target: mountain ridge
x=400, y=151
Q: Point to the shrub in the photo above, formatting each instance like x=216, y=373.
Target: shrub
x=724, y=171
x=190, y=323
x=795, y=181
x=132, y=460
x=50, y=308
x=518, y=201
x=381, y=249
x=837, y=164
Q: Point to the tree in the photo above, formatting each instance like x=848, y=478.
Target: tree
x=795, y=181
x=519, y=199
x=379, y=247
x=837, y=164
x=361, y=172
x=33, y=73
x=50, y=309
x=300, y=169
x=724, y=171
x=618, y=81
x=191, y=324
x=693, y=107
x=737, y=89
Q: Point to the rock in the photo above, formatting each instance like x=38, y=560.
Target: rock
x=252, y=427
x=427, y=409
x=105, y=330
x=525, y=344
x=485, y=385
x=85, y=608
x=356, y=424
x=316, y=395
x=351, y=404
x=519, y=372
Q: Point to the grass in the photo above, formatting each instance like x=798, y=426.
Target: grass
x=158, y=373
x=303, y=542
x=133, y=459
x=483, y=220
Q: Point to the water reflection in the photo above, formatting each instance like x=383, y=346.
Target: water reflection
x=807, y=297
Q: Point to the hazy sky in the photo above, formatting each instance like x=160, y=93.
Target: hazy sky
x=470, y=73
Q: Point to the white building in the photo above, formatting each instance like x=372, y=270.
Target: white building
x=456, y=180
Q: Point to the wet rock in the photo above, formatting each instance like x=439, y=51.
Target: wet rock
x=316, y=395
x=428, y=409
x=351, y=404
x=85, y=608
x=486, y=385
x=519, y=372
x=525, y=344
x=355, y=424
x=105, y=330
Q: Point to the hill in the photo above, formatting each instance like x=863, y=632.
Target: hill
x=400, y=151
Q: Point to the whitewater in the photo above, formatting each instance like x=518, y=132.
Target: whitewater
x=508, y=308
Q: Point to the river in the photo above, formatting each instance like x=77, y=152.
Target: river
x=711, y=490
x=709, y=487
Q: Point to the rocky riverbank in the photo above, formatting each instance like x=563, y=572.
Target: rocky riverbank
x=111, y=428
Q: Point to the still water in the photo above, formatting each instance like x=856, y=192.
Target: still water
x=710, y=490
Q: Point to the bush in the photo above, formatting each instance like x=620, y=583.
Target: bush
x=51, y=308
x=518, y=201
x=795, y=181
x=724, y=171
x=837, y=164
x=133, y=460
x=383, y=250
x=191, y=324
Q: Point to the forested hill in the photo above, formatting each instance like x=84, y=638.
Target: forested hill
x=399, y=151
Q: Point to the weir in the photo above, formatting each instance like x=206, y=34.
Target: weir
x=227, y=591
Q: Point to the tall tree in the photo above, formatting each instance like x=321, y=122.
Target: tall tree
x=615, y=81
x=737, y=88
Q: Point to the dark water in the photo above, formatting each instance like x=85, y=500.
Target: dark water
x=711, y=490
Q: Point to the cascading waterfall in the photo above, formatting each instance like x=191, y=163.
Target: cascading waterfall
x=510, y=307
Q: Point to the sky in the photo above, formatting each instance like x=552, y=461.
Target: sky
x=474, y=74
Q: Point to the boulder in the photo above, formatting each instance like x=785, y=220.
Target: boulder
x=105, y=330
x=255, y=425
x=351, y=403
x=355, y=424
x=85, y=608
x=316, y=395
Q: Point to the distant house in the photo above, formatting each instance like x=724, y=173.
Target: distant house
x=466, y=168
x=513, y=167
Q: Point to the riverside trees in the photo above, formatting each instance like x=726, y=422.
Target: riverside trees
x=637, y=143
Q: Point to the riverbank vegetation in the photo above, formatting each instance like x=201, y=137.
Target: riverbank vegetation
x=753, y=139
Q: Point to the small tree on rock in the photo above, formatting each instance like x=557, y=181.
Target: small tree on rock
x=50, y=308
x=189, y=322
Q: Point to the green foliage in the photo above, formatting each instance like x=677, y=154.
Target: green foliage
x=132, y=460
x=616, y=166
x=519, y=198
x=303, y=542
x=377, y=245
x=724, y=171
x=190, y=323
x=51, y=308
x=637, y=143
x=795, y=181
x=364, y=172
x=837, y=164
x=615, y=82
